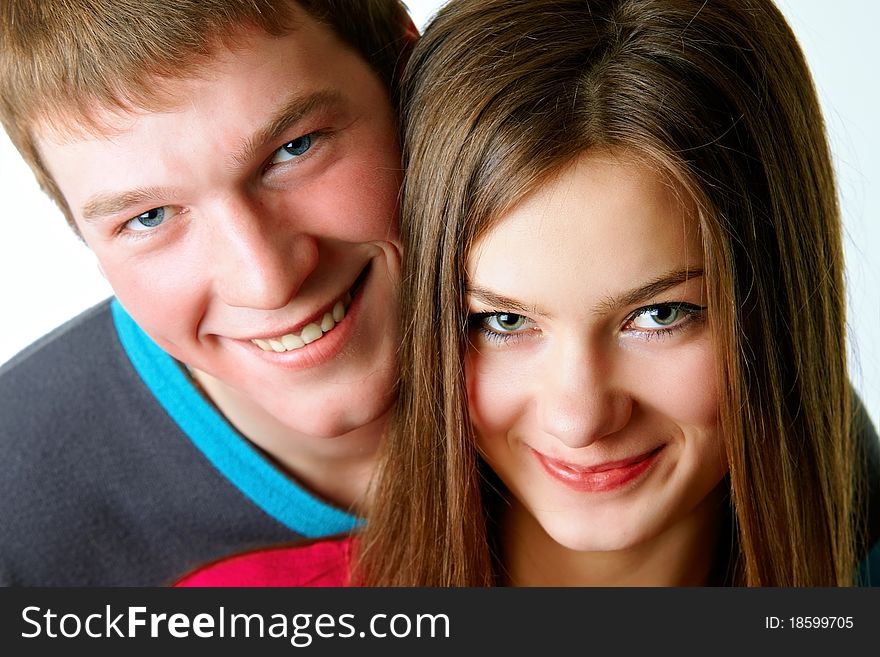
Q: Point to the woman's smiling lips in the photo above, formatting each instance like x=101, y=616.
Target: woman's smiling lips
x=602, y=477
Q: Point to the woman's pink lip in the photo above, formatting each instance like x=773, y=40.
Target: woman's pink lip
x=598, y=478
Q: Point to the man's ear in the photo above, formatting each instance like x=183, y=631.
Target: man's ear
x=411, y=35
x=411, y=32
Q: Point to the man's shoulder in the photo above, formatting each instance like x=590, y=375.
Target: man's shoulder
x=99, y=484
x=64, y=377
x=58, y=399
x=68, y=404
x=62, y=350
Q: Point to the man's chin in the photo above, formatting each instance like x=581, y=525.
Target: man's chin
x=335, y=421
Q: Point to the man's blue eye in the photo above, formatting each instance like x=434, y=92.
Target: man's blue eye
x=292, y=149
x=147, y=220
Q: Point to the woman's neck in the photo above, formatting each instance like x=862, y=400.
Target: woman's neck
x=683, y=555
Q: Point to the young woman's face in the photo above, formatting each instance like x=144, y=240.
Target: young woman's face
x=592, y=371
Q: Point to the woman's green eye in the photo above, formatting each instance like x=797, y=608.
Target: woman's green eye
x=505, y=322
x=665, y=315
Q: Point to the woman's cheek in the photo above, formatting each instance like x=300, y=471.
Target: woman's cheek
x=496, y=391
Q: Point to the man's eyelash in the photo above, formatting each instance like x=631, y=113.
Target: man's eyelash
x=123, y=230
x=316, y=137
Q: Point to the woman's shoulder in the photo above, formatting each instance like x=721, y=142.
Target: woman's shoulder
x=324, y=562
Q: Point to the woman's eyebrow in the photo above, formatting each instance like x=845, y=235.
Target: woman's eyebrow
x=609, y=304
x=647, y=291
x=495, y=300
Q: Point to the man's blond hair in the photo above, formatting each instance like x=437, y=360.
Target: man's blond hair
x=61, y=60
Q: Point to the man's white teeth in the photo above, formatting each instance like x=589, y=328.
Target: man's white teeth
x=291, y=341
x=327, y=322
x=308, y=334
x=311, y=333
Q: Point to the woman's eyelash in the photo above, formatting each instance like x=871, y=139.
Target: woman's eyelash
x=683, y=316
x=477, y=322
x=691, y=313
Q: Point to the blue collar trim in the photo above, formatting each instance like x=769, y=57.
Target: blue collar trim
x=222, y=445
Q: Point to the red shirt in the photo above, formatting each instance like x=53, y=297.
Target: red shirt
x=323, y=563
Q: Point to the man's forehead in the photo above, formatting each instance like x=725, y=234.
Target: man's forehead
x=99, y=123
x=113, y=123
x=91, y=116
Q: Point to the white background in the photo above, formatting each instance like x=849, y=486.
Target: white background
x=47, y=275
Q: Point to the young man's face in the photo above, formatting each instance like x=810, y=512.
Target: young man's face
x=251, y=231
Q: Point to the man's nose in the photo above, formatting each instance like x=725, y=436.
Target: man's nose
x=260, y=261
x=579, y=402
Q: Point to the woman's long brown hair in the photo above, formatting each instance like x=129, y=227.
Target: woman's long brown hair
x=500, y=94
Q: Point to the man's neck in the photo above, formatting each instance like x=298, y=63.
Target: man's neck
x=336, y=469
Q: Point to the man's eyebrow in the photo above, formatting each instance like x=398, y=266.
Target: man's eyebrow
x=295, y=109
x=501, y=302
x=105, y=204
x=647, y=291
